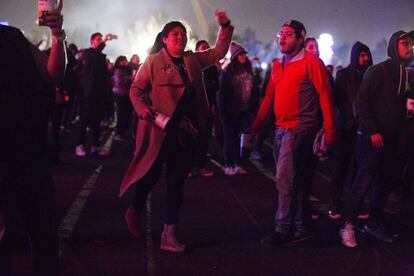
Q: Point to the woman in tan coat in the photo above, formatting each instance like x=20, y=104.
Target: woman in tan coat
x=169, y=83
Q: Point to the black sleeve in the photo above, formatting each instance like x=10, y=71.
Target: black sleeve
x=370, y=87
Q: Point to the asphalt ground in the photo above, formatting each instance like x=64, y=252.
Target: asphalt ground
x=223, y=219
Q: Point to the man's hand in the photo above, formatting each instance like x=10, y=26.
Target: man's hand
x=377, y=141
x=54, y=20
x=221, y=17
x=109, y=37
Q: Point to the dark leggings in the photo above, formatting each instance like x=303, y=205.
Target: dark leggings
x=178, y=161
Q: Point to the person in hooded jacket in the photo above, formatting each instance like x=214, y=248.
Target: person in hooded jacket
x=381, y=111
x=346, y=85
x=235, y=105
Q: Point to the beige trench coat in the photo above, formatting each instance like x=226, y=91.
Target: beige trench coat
x=159, y=84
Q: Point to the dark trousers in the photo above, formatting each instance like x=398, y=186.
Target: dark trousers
x=90, y=115
x=202, y=148
x=233, y=124
x=124, y=114
x=27, y=195
x=178, y=160
x=378, y=171
x=343, y=161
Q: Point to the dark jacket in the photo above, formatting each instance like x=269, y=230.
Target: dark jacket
x=95, y=70
x=211, y=83
x=380, y=103
x=346, y=85
x=229, y=96
x=122, y=80
x=25, y=99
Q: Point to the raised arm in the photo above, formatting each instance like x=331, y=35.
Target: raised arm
x=53, y=67
x=216, y=53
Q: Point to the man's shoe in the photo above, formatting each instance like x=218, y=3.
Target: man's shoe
x=239, y=170
x=379, y=232
x=347, y=234
x=80, y=150
x=363, y=216
x=277, y=238
x=133, y=221
x=229, y=171
x=205, y=172
x=119, y=137
x=103, y=152
x=334, y=214
x=301, y=237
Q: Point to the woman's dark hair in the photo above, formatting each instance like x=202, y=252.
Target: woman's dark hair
x=118, y=61
x=158, y=43
x=171, y=25
x=235, y=66
x=309, y=39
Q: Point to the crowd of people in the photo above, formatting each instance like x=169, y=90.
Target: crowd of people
x=175, y=101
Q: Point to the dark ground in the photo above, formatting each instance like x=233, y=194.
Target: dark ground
x=223, y=220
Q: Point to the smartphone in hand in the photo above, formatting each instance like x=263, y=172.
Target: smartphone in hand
x=43, y=8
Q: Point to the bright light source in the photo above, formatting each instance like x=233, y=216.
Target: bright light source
x=263, y=65
x=326, y=42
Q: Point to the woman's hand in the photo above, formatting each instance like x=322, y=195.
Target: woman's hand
x=221, y=17
x=147, y=113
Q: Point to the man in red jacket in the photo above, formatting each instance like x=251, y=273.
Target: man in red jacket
x=299, y=91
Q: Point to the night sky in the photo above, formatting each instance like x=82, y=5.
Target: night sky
x=348, y=21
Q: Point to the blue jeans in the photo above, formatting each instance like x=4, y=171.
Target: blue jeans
x=378, y=170
x=294, y=175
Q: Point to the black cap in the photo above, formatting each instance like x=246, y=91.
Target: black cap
x=405, y=34
x=297, y=26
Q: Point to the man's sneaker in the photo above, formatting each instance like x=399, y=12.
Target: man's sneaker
x=80, y=150
x=103, y=152
x=239, y=170
x=379, y=232
x=229, y=171
x=334, y=214
x=277, y=238
x=363, y=216
x=119, y=137
x=205, y=172
x=301, y=237
x=95, y=149
x=348, y=235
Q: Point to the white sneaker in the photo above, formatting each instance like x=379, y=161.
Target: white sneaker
x=229, y=171
x=348, y=235
x=80, y=150
x=239, y=170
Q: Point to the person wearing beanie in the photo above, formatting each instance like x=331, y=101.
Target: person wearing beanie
x=346, y=85
x=235, y=105
x=299, y=92
x=380, y=106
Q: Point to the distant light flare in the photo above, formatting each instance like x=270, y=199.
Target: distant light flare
x=141, y=38
x=326, y=42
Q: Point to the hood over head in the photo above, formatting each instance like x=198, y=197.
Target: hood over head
x=393, y=44
x=357, y=48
